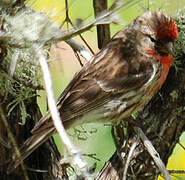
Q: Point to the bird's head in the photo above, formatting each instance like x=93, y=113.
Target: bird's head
x=158, y=32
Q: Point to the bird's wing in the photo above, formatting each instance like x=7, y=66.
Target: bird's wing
x=113, y=71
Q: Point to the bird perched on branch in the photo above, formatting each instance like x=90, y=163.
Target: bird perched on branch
x=120, y=80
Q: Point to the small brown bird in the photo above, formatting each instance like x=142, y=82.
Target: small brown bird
x=120, y=80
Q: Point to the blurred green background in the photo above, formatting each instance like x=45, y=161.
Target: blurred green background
x=95, y=138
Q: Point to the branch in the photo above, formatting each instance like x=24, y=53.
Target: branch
x=155, y=155
x=106, y=17
x=130, y=154
x=81, y=49
x=75, y=153
x=162, y=120
x=103, y=32
x=68, y=20
x=176, y=171
x=12, y=139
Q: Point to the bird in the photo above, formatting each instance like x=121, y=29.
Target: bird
x=119, y=81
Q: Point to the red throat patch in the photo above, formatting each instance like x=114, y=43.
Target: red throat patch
x=165, y=61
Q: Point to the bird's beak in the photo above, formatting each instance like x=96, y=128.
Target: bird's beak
x=169, y=48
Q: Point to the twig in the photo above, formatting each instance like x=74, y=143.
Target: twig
x=155, y=155
x=105, y=18
x=181, y=145
x=132, y=148
x=78, y=58
x=81, y=49
x=11, y=137
x=93, y=156
x=68, y=20
x=37, y=170
x=75, y=153
x=176, y=171
x=5, y=144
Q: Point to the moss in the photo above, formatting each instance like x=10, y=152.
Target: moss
x=179, y=58
x=19, y=68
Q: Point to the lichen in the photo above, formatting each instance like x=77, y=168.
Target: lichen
x=20, y=72
x=179, y=57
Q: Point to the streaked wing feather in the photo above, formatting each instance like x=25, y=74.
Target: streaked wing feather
x=82, y=101
x=45, y=120
x=95, y=85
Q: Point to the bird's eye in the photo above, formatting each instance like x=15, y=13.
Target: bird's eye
x=152, y=39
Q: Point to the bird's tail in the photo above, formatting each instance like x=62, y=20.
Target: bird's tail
x=30, y=145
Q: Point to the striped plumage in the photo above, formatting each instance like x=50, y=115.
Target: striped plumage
x=120, y=80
